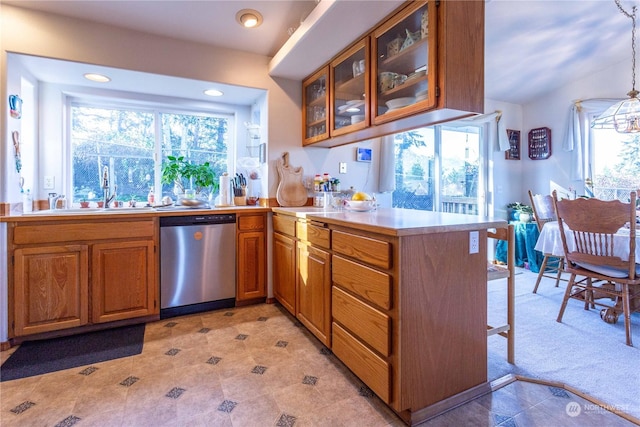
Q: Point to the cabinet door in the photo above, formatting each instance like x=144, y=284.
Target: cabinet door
x=314, y=291
x=50, y=288
x=315, y=107
x=404, y=72
x=251, y=266
x=349, y=94
x=284, y=271
x=123, y=280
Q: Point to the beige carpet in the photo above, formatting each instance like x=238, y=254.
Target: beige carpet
x=582, y=352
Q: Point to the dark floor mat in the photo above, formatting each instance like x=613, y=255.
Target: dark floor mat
x=44, y=356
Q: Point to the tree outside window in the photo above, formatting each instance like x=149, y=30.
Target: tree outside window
x=126, y=139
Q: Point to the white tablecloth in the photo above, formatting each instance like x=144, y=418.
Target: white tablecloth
x=550, y=242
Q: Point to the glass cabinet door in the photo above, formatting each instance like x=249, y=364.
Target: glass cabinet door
x=350, y=89
x=404, y=69
x=315, y=102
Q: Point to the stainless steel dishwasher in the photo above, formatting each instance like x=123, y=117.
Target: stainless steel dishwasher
x=198, y=263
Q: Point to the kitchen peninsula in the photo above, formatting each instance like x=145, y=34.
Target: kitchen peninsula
x=396, y=294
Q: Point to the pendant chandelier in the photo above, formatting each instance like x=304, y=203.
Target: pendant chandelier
x=624, y=116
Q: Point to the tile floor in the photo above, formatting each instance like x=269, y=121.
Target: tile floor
x=252, y=366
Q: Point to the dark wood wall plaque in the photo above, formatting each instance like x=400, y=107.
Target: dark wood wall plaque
x=539, y=143
x=513, y=153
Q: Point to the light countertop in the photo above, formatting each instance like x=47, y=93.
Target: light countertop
x=395, y=221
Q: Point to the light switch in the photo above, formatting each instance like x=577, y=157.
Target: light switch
x=49, y=182
x=343, y=167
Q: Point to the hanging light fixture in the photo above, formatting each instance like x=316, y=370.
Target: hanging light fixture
x=624, y=116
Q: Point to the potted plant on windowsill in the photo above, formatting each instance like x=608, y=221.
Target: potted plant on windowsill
x=182, y=174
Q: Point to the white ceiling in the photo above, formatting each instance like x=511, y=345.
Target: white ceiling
x=531, y=46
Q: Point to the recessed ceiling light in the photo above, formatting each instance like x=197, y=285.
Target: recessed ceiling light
x=213, y=92
x=249, y=18
x=94, y=77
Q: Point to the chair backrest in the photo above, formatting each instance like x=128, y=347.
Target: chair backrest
x=543, y=209
x=593, y=224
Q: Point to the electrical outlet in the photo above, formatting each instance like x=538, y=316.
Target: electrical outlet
x=49, y=183
x=474, y=242
x=343, y=167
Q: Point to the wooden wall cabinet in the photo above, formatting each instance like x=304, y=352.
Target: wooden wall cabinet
x=349, y=89
x=404, y=73
x=251, y=257
x=425, y=66
x=68, y=274
x=315, y=107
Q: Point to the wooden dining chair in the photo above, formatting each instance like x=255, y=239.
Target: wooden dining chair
x=543, y=212
x=507, y=271
x=595, y=249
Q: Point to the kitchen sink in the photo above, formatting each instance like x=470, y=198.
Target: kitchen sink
x=88, y=211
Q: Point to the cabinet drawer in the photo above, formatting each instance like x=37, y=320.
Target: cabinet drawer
x=251, y=222
x=70, y=232
x=369, y=324
x=365, y=249
x=284, y=225
x=367, y=365
x=315, y=234
x=371, y=285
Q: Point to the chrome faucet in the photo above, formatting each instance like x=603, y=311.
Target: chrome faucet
x=53, y=200
x=105, y=188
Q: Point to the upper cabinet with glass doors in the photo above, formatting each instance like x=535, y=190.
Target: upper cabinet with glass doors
x=423, y=64
x=349, y=94
x=315, y=102
x=403, y=74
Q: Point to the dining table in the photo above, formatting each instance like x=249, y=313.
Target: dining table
x=550, y=242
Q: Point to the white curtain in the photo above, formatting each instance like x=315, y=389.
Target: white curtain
x=579, y=133
x=387, y=175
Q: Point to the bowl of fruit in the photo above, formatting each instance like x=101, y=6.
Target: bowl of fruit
x=360, y=202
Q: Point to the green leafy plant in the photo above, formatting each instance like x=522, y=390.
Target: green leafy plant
x=178, y=171
x=519, y=207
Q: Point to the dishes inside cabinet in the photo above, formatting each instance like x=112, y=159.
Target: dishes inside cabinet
x=396, y=103
x=411, y=38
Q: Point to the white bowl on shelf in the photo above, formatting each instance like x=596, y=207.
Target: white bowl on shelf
x=357, y=119
x=400, y=102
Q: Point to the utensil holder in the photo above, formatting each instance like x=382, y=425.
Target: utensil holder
x=240, y=201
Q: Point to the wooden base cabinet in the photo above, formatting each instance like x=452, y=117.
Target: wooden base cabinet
x=117, y=296
x=284, y=271
x=314, y=291
x=74, y=273
x=302, y=272
x=409, y=320
x=251, y=257
x=50, y=288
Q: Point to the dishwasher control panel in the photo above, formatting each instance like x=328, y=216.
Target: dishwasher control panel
x=172, y=221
